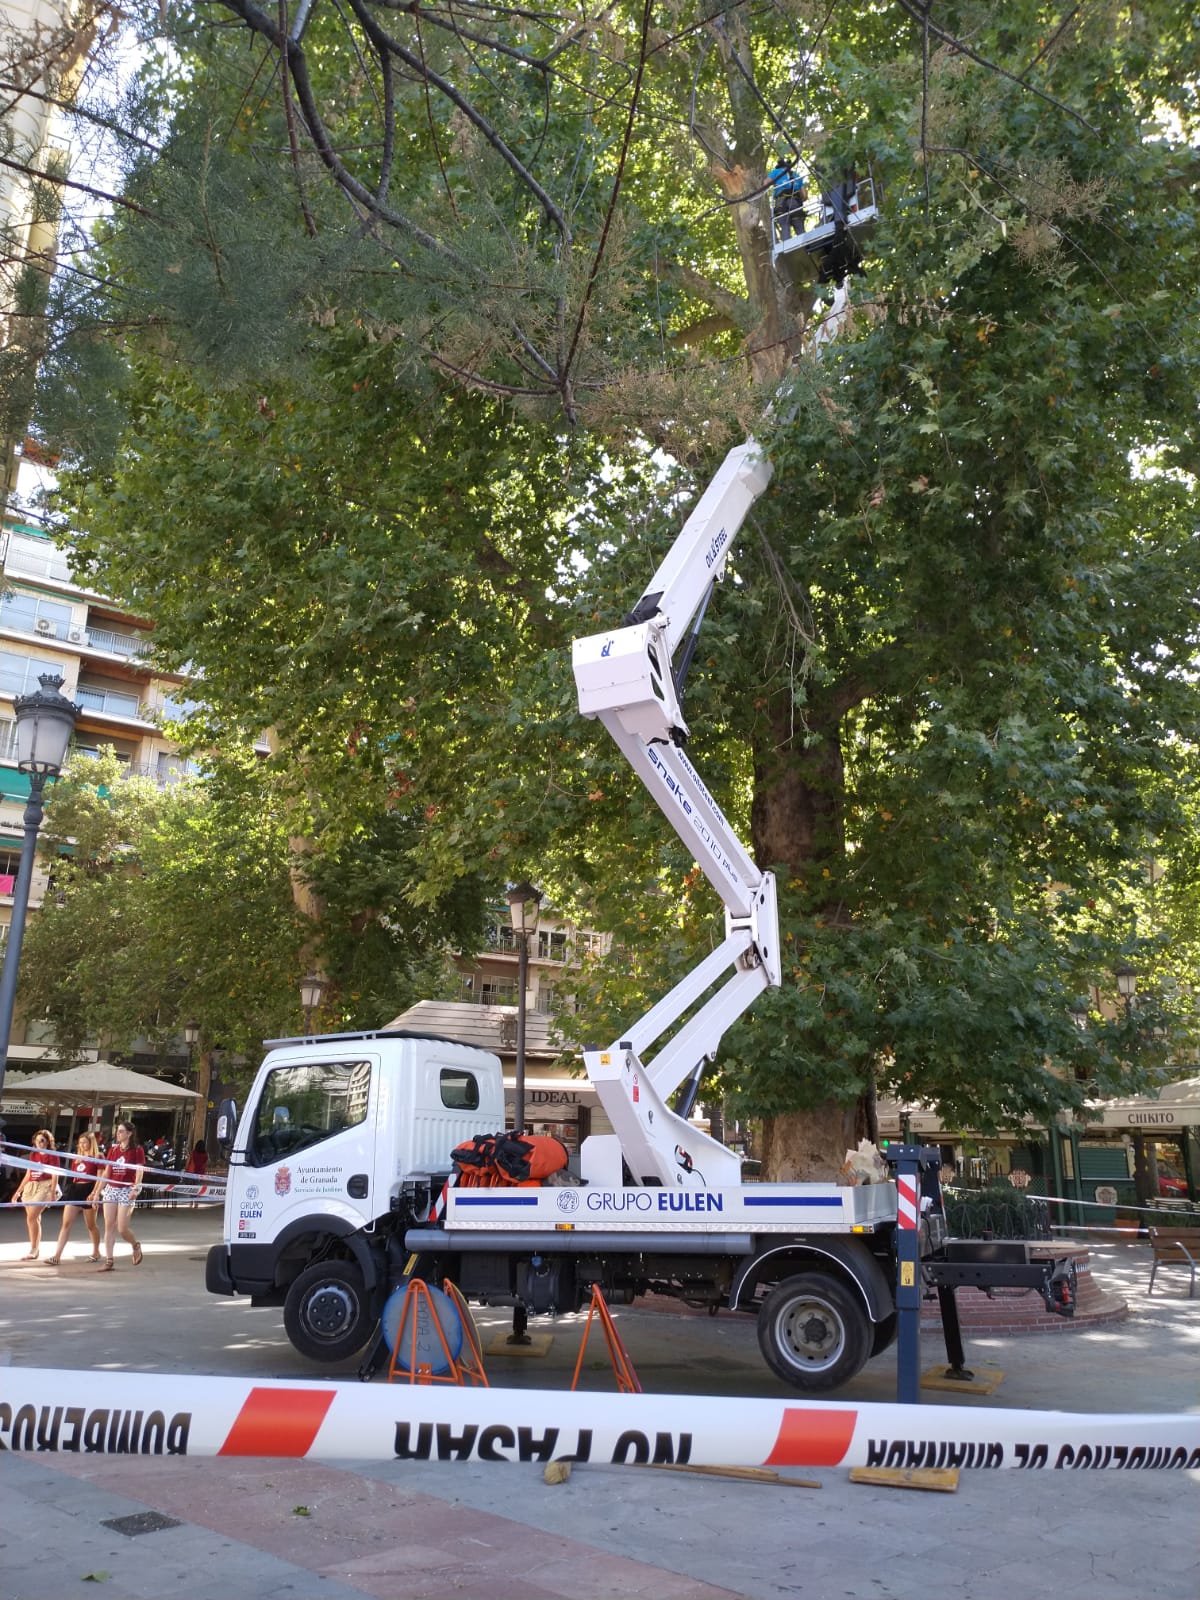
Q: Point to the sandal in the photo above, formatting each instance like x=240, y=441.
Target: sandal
x=32, y=1256
x=51, y=1261
x=93, y=1258
x=137, y=1255
x=107, y=1267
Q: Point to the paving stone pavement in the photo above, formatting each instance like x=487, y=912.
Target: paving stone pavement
x=299, y=1529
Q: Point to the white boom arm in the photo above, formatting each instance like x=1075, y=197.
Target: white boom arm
x=626, y=679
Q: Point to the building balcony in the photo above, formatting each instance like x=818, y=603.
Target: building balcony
x=111, y=703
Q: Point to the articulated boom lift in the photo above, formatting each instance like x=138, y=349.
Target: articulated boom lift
x=632, y=680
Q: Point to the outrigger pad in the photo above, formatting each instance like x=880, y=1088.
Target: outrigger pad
x=1060, y=1289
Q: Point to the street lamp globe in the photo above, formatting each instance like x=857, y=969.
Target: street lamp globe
x=45, y=723
x=1127, y=978
x=523, y=903
x=191, y=1034
x=312, y=991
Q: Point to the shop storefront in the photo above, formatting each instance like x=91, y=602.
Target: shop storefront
x=566, y=1108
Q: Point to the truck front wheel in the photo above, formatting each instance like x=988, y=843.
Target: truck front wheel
x=813, y=1333
x=326, y=1313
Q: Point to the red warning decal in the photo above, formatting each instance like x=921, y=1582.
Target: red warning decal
x=813, y=1439
x=278, y=1422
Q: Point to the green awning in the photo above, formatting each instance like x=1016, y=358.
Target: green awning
x=14, y=784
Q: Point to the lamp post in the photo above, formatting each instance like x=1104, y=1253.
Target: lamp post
x=312, y=992
x=45, y=723
x=1144, y=1174
x=191, y=1037
x=523, y=903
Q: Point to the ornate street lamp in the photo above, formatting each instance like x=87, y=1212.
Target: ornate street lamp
x=1127, y=978
x=523, y=903
x=312, y=992
x=191, y=1037
x=45, y=723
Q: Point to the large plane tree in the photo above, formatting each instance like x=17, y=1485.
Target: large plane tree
x=409, y=297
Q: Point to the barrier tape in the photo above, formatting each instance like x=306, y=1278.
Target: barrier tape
x=130, y=1413
x=183, y=1186
x=64, y=1159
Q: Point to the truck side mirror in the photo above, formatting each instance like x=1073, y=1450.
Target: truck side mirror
x=227, y=1118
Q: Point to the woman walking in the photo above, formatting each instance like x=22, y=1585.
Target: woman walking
x=198, y=1162
x=81, y=1191
x=120, y=1185
x=38, y=1188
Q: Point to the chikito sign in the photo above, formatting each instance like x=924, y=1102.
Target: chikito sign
x=1151, y=1119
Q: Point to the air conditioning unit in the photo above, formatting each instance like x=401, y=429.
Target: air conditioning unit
x=75, y=635
x=44, y=625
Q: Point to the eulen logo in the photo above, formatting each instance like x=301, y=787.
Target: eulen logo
x=568, y=1200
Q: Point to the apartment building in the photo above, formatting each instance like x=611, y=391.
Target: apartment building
x=44, y=47
x=50, y=621
x=557, y=1101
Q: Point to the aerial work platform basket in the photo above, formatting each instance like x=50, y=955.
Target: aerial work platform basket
x=823, y=238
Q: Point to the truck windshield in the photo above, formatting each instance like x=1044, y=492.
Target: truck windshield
x=301, y=1105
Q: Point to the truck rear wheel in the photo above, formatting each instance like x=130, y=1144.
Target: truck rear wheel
x=326, y=1313
x=813, y=1333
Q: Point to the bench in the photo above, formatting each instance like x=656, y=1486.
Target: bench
x=1175, y=1247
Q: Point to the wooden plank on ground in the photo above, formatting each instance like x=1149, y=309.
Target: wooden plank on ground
x=941, y=1480
x=743, y=1474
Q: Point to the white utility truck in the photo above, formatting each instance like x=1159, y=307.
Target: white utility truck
x=338, y=1169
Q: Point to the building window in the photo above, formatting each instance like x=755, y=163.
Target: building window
x=29, y=613
x=497, y=992
x=478, y=990
x=36, y=558
x=172, y=768
x=551, y=946
x=113, y=702
x=10, y=863
x=555, y=1000
x=19, y=674
x=173, y=710
x=91, y=752
x=500, y=936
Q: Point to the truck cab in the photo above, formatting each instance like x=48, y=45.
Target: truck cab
x=341, y=1135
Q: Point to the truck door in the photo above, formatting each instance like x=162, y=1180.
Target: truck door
x=310, y=1147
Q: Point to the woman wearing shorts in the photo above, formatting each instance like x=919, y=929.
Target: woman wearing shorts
x=38, y=1188
x=120, y=1184
x=81, y=1191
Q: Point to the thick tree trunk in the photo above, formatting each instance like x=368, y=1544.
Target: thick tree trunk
x=200, y=1107
x=797, y=823
x=738, y=165
x=811, y=1145
x=799, y=783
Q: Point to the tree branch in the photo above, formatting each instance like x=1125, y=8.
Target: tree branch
x=71, y=183
x=921, y=15
x=722, y=300
x=384, y=40
x=706, y=328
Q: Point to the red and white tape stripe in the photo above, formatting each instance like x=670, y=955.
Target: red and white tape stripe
x=127, y=1413
x=906, y=1202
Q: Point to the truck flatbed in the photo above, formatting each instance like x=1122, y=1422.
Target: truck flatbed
x=760, y=1208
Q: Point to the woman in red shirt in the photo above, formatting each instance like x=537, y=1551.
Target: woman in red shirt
x=38, y=1188
x=120, y=1184
x=81, y=1192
